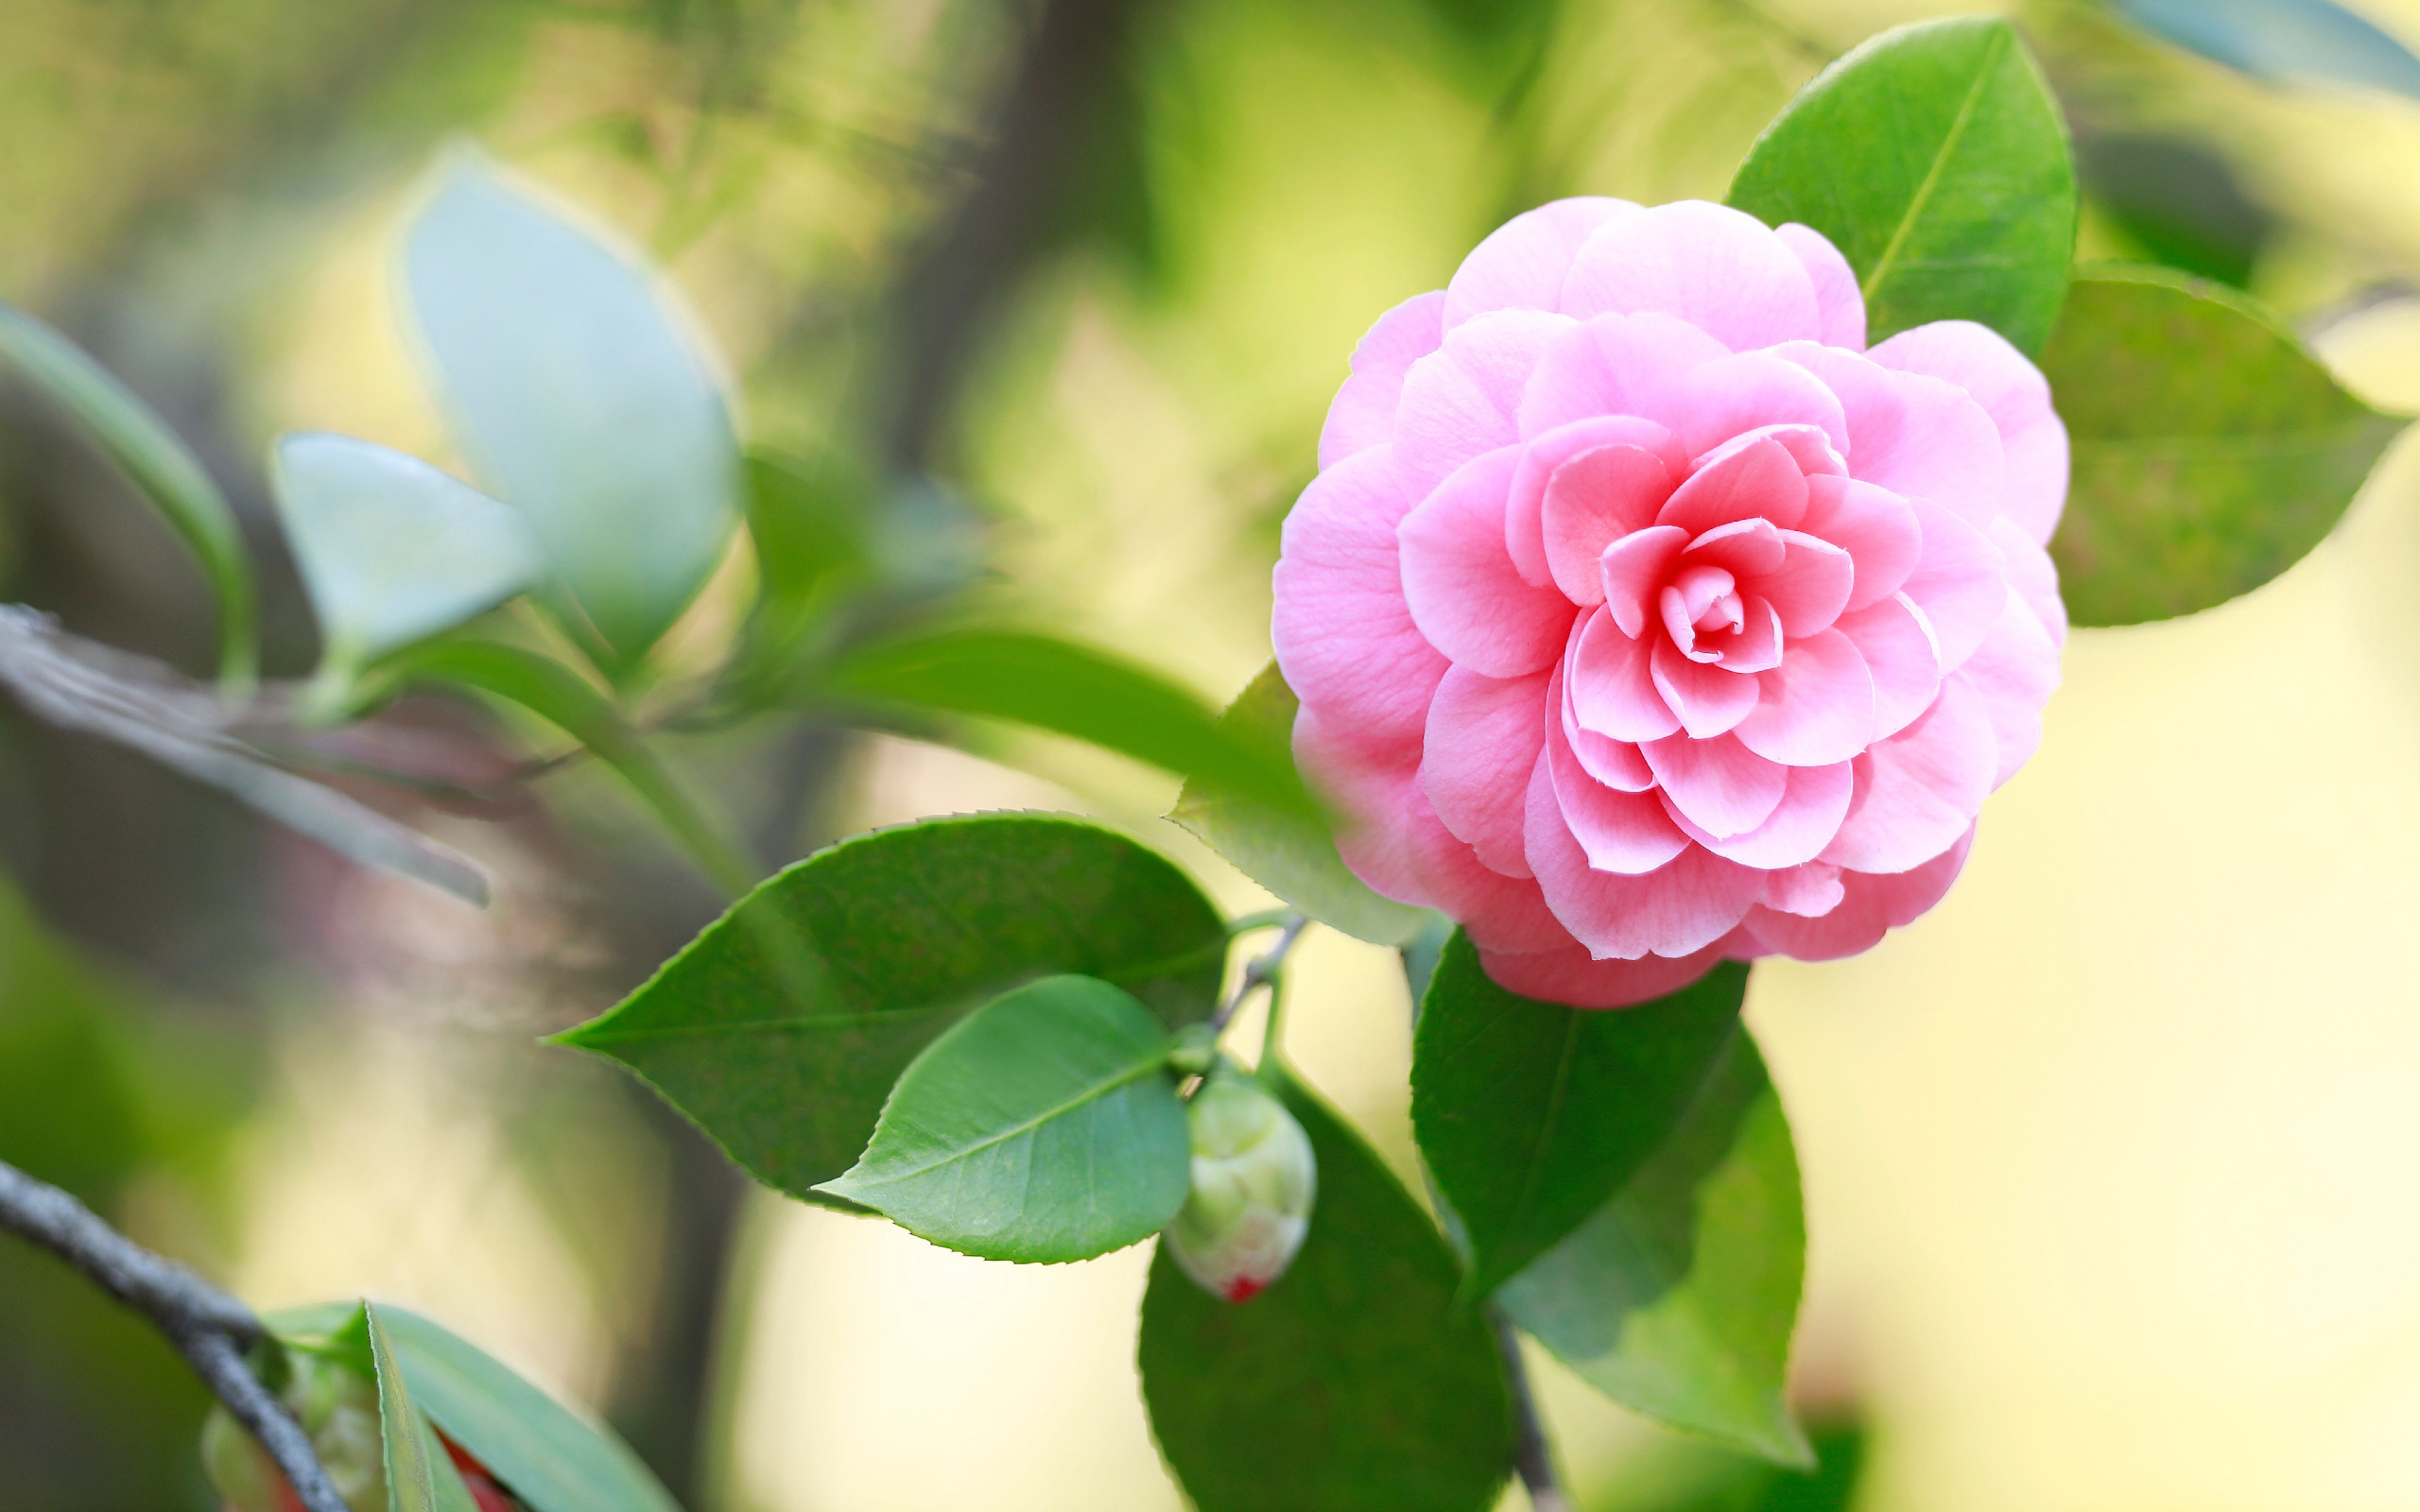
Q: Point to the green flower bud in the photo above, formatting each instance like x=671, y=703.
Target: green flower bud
x=338, y=1407
x=1253, y=1181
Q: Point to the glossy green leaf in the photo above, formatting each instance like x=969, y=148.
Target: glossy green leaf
x=420, y=1475
x=1531, y=1114
x=1286, y=849
x=2283, y=40
x=134, y=438
x=582, y=399
x=782, y=1027
x=562, y=697
x=1044, y=1126
x=1677, y=1298
x=2210, y=450
x=1070, y=689
x=1353, y=1384
x=392, y=550
x=1935, y=160
x=553, y=1459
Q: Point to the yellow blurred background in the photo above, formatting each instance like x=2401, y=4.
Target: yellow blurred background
x=2112, y=1162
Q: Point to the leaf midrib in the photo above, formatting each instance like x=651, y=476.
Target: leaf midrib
x=1932, y=175
x=1090, y=1095
x=1524, y=1203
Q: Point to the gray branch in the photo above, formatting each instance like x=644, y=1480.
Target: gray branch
x=209, y=1328
x=1532, y=1455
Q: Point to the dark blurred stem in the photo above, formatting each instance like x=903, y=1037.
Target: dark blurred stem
x=1260, y=971
x=209, y=1328
x=1532, y=1456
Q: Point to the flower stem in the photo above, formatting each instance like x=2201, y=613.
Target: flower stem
x=1532, y=1455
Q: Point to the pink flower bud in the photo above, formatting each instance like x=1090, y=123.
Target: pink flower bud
x=1253, y=1181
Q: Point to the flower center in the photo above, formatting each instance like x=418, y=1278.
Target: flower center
x=1701, y=599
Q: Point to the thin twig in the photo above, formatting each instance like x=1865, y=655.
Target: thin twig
x=1532, y=1456
x=1260, y=971
x=209, y=1328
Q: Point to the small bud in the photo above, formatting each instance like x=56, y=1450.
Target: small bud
x=339, y=1410
x=1253, y=1181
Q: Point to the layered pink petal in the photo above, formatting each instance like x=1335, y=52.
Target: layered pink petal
x=1874, y=526
x=1372, y=794
x=1522, y=264
x=1810, y=585
x=1687, y=904
x=1706, y=700
x=2032, y=577
x=1632, y=569
x=1460, y=581
x=1344, y=635
x=1748, y=549
x=1611, y=366
x=1870, y=907
x=1840, y=305
x=1600, y=495
x=1718, y=785
x=1898, y=651
x=1816, y=708
x=1499, y=912
x=1363, y=412
x=1459, y=401
x=1483, y=736
x=1960, y=583
x=1720, y=402
x=1801, y=825
x=1917, y=791
x=1525, y=510
x=1918, y=436
x=1719, y=269
x=1571, y=976
x=1613, y=686
x=1757, y=482
x=2014, y=392
x=2014, y=672
x=1809, y=889
x=1623, y=833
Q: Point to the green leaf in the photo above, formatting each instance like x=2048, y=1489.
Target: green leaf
x=1678, y=1297
x=1531, y=1114
x=781, y=1028
x=808, y=524
x=583, y=400
x=1286, y=849
x=162, y=465
x=2210, y=450
x=2283, y=40
x=1071, y=690
x=421, y=1477
x=1044, y=1127
x=553, y=1459
x=1353, y=1384
x=392, y=550
x=1935, y=160
x=562, y=697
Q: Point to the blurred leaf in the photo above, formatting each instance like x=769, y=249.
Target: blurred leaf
x=1353, y=1384
x=160, y=464
x=562, y=697
x=2211, y=452
x=551, y=1458
x=2282, y=40
x=1044, y=1127
x=1678, y=1298
x=781, y=1028
x=1070, y=689
x=1286, y=848
x=390, y=549
x=2178, y=201
x=1531, y=1114
x=421, y=1477
x=1935, y=160
x=807, y=521
x=584, y=399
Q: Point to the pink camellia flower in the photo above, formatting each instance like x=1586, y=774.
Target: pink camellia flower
x=1641, y=616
